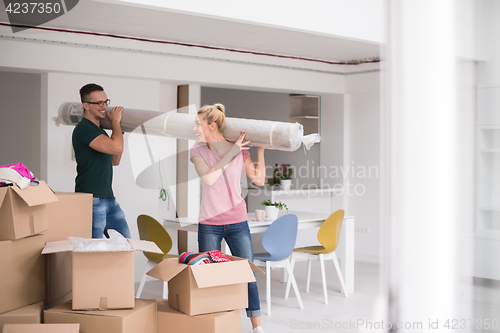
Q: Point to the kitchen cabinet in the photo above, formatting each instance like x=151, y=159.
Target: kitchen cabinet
x=305, y=110
x=304, y=199
x=484, y=243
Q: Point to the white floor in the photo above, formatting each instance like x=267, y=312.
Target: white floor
x=483, y=298
x=316, y=316
x=480, y=297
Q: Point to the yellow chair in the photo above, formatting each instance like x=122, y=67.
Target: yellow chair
x=329, y=238
x=151, y=230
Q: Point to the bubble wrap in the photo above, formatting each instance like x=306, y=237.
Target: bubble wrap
x=116, y=242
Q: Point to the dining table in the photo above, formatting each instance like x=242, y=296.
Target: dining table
x=307, y=220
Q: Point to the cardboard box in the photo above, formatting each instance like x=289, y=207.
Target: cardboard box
x=22, y=272
x=58, y=278
x=141, y=319
x=23, y=213
x=30, y=314
x=173, y=321
x=102, y=280
x=41, y=328
x=70, y=216
x=201, y=289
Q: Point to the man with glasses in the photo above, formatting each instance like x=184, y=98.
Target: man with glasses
x=96, y=153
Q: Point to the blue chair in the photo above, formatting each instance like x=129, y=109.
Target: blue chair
x=279, y=242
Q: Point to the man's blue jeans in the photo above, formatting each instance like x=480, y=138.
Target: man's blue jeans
x=107, y=214
x=238, y=239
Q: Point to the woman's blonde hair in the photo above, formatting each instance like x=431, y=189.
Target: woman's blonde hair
x=214, y=113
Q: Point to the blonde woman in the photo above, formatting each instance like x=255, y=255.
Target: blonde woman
x=223, y=212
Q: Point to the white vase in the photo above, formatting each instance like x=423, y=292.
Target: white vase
x=286, y=184
x=272, y=212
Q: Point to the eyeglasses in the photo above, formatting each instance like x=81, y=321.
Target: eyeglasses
x=100, y=103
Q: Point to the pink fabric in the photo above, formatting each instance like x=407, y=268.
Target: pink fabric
x=21, y=169
x=221, y=203
x=218, y=256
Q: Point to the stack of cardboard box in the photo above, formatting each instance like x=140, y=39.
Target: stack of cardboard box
x=104, y=281
x=23, y=219
x=34, y=218
x=203, y=298
x=67, y=284
x=101, y=281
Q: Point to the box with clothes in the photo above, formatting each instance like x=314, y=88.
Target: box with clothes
x=23, y=212
x=206, y=288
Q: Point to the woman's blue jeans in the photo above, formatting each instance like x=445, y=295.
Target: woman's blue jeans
x=238, y=239
x=107, y=214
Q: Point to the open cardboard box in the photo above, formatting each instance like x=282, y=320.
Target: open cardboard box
x=140, y=319
x=41, y=328
x=102, y=279
x=71, y=216
x=208, y=288
x=23, y=213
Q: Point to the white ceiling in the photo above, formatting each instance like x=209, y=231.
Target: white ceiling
x=148, y=23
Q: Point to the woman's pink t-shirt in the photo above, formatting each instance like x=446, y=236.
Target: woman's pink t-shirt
x=221, y=202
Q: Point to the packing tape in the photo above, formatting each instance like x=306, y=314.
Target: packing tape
x=32, y=225
x=177, y=302
x=103, y=304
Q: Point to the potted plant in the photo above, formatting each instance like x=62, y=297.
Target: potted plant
x=285, y=174
x=273, y=208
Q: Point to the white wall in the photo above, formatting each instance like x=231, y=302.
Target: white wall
x=122, y=58
x=332, y=138
x=485, y=94
x=362, y=161
x=355, y=19
x=488, y=32
x=20, y=120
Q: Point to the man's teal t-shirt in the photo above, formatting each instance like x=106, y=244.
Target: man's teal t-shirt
x=94, y=169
